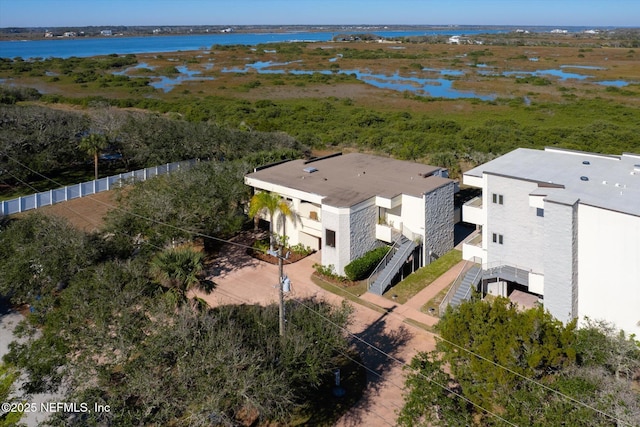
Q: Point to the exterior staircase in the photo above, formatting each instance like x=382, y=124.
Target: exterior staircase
x=468, y=283
x=383, y=281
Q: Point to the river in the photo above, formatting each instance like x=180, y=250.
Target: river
x=85, y=47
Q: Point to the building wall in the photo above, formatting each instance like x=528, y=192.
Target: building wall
x=413, y=214
x=362, y=229
x=561, y=256
x=516, y=221
x=609, y=269
x=438, y=221
x=336, y=219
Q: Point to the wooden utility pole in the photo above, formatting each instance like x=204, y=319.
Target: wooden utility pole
x=281, y=290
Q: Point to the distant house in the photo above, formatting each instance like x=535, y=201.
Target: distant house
x=349, y=204
x=106, y=33
x=563, y=226
x=70, y=34
x=48, y=34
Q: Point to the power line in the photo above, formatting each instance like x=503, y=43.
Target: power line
x=400, y=362
x=195, y=233
x=228, y=295
x=86, y=218
x=498, y=365
x=524, y=377
x=319, y=314
x=393, y=358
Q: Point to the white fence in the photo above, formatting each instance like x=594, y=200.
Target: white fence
x=46, y=198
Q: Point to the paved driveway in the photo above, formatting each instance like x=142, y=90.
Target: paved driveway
x=385, y=342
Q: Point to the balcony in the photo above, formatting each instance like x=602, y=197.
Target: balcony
x=472, y=211
x=384, y=233
x=472, y=249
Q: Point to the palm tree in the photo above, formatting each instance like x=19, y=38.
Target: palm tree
x=178, y=270
x=271, y=203
x=92, y=145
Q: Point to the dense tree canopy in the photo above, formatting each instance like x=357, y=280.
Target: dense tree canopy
x=38, y=140
x=113, y=335
x=495, y=362
x=39, y=254
x=208, y=198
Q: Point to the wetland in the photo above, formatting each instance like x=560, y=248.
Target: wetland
x=455, y=105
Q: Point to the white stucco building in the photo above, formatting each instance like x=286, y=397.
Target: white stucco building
x=565, y=226
x=349, y=204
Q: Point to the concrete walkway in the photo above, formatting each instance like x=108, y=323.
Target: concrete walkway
x=412, y=308
x=384, y=340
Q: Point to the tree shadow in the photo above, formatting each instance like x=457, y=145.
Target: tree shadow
x=207, y=286
x=232, y=256
x=380, y=350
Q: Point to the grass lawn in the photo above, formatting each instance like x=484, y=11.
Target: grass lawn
x=350, y=293
x=435, y=303
x=423, y=277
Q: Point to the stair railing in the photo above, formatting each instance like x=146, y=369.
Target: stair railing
x=383, y=263
x=473, y=281
x=455, y=286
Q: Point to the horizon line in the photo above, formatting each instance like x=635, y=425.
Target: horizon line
x=327, y=25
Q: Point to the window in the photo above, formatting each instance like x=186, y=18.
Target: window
x=497, y=238
x=498, y=198
x=540, y=212
x=330, y=238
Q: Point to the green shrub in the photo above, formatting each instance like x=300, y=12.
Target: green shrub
x=328, y=271
x=360, y=268
x=301, y=249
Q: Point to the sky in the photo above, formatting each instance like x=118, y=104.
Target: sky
x=61, y=13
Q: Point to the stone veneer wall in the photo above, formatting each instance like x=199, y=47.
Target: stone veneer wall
x=363, y=231
x=438, y=221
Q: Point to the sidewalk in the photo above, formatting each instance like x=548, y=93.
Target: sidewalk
x=412, y=308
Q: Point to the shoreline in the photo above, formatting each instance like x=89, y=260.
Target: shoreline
x=93, y=32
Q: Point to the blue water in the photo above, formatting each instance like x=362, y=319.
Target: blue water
x=583, y=67
x=562, y=75
x=617, y=83
x=435, y=87
x=83, y=47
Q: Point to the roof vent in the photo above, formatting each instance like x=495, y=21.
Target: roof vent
x=586, y=162
x=310, y=169
x=584, y=178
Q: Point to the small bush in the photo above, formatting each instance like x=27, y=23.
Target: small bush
x=301, y=249
x=360, y=268
x=328, y=271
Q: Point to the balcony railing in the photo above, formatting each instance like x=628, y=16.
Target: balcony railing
x=476, y=202
x=476, y=241
x=472, y=211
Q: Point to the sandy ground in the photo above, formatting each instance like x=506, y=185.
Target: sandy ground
x=385, y=342
x=85, y=213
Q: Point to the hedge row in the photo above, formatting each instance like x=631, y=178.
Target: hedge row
x=362, y=267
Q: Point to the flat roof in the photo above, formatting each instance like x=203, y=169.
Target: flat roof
x=608, y=182
x=349, y=179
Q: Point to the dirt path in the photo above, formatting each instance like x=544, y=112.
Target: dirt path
x=85, y=213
